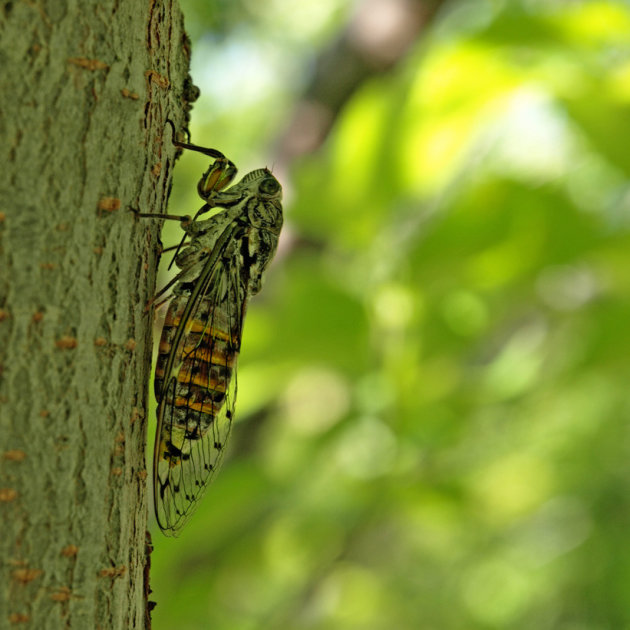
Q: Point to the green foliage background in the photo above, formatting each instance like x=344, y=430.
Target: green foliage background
x=433, y=418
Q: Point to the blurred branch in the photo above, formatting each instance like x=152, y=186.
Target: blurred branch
x=378, y=36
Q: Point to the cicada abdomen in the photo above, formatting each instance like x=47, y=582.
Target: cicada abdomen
x=200, y=381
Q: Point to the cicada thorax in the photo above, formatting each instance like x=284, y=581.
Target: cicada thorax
x=194, y=390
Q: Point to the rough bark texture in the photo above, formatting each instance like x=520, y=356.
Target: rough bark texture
x=85, y=92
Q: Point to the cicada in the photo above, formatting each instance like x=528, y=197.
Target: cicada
x=221, y=263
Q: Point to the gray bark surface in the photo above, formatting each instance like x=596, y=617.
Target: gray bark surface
x=85, y=93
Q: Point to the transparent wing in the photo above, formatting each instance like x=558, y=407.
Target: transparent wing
x=200, y=343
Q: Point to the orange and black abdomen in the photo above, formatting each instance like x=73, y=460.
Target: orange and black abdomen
x=194, y=391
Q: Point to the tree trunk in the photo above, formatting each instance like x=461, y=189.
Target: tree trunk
x=85, y=93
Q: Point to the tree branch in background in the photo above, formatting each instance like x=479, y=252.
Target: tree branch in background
x=377, y=38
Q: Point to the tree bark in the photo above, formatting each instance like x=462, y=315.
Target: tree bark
x=85, y=93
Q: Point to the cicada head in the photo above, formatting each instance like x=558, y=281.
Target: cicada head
x=262, y=187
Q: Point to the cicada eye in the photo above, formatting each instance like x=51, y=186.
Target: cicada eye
x=269, y=186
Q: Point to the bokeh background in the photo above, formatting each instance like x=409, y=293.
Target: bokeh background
x=432, y=428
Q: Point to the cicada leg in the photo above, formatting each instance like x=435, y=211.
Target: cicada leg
x=154, y=300
x=219, y=175
x=184, y=219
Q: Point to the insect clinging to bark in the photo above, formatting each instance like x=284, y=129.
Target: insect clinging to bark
x=221, y=267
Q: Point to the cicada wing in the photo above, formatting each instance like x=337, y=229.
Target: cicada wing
x=197, y=393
